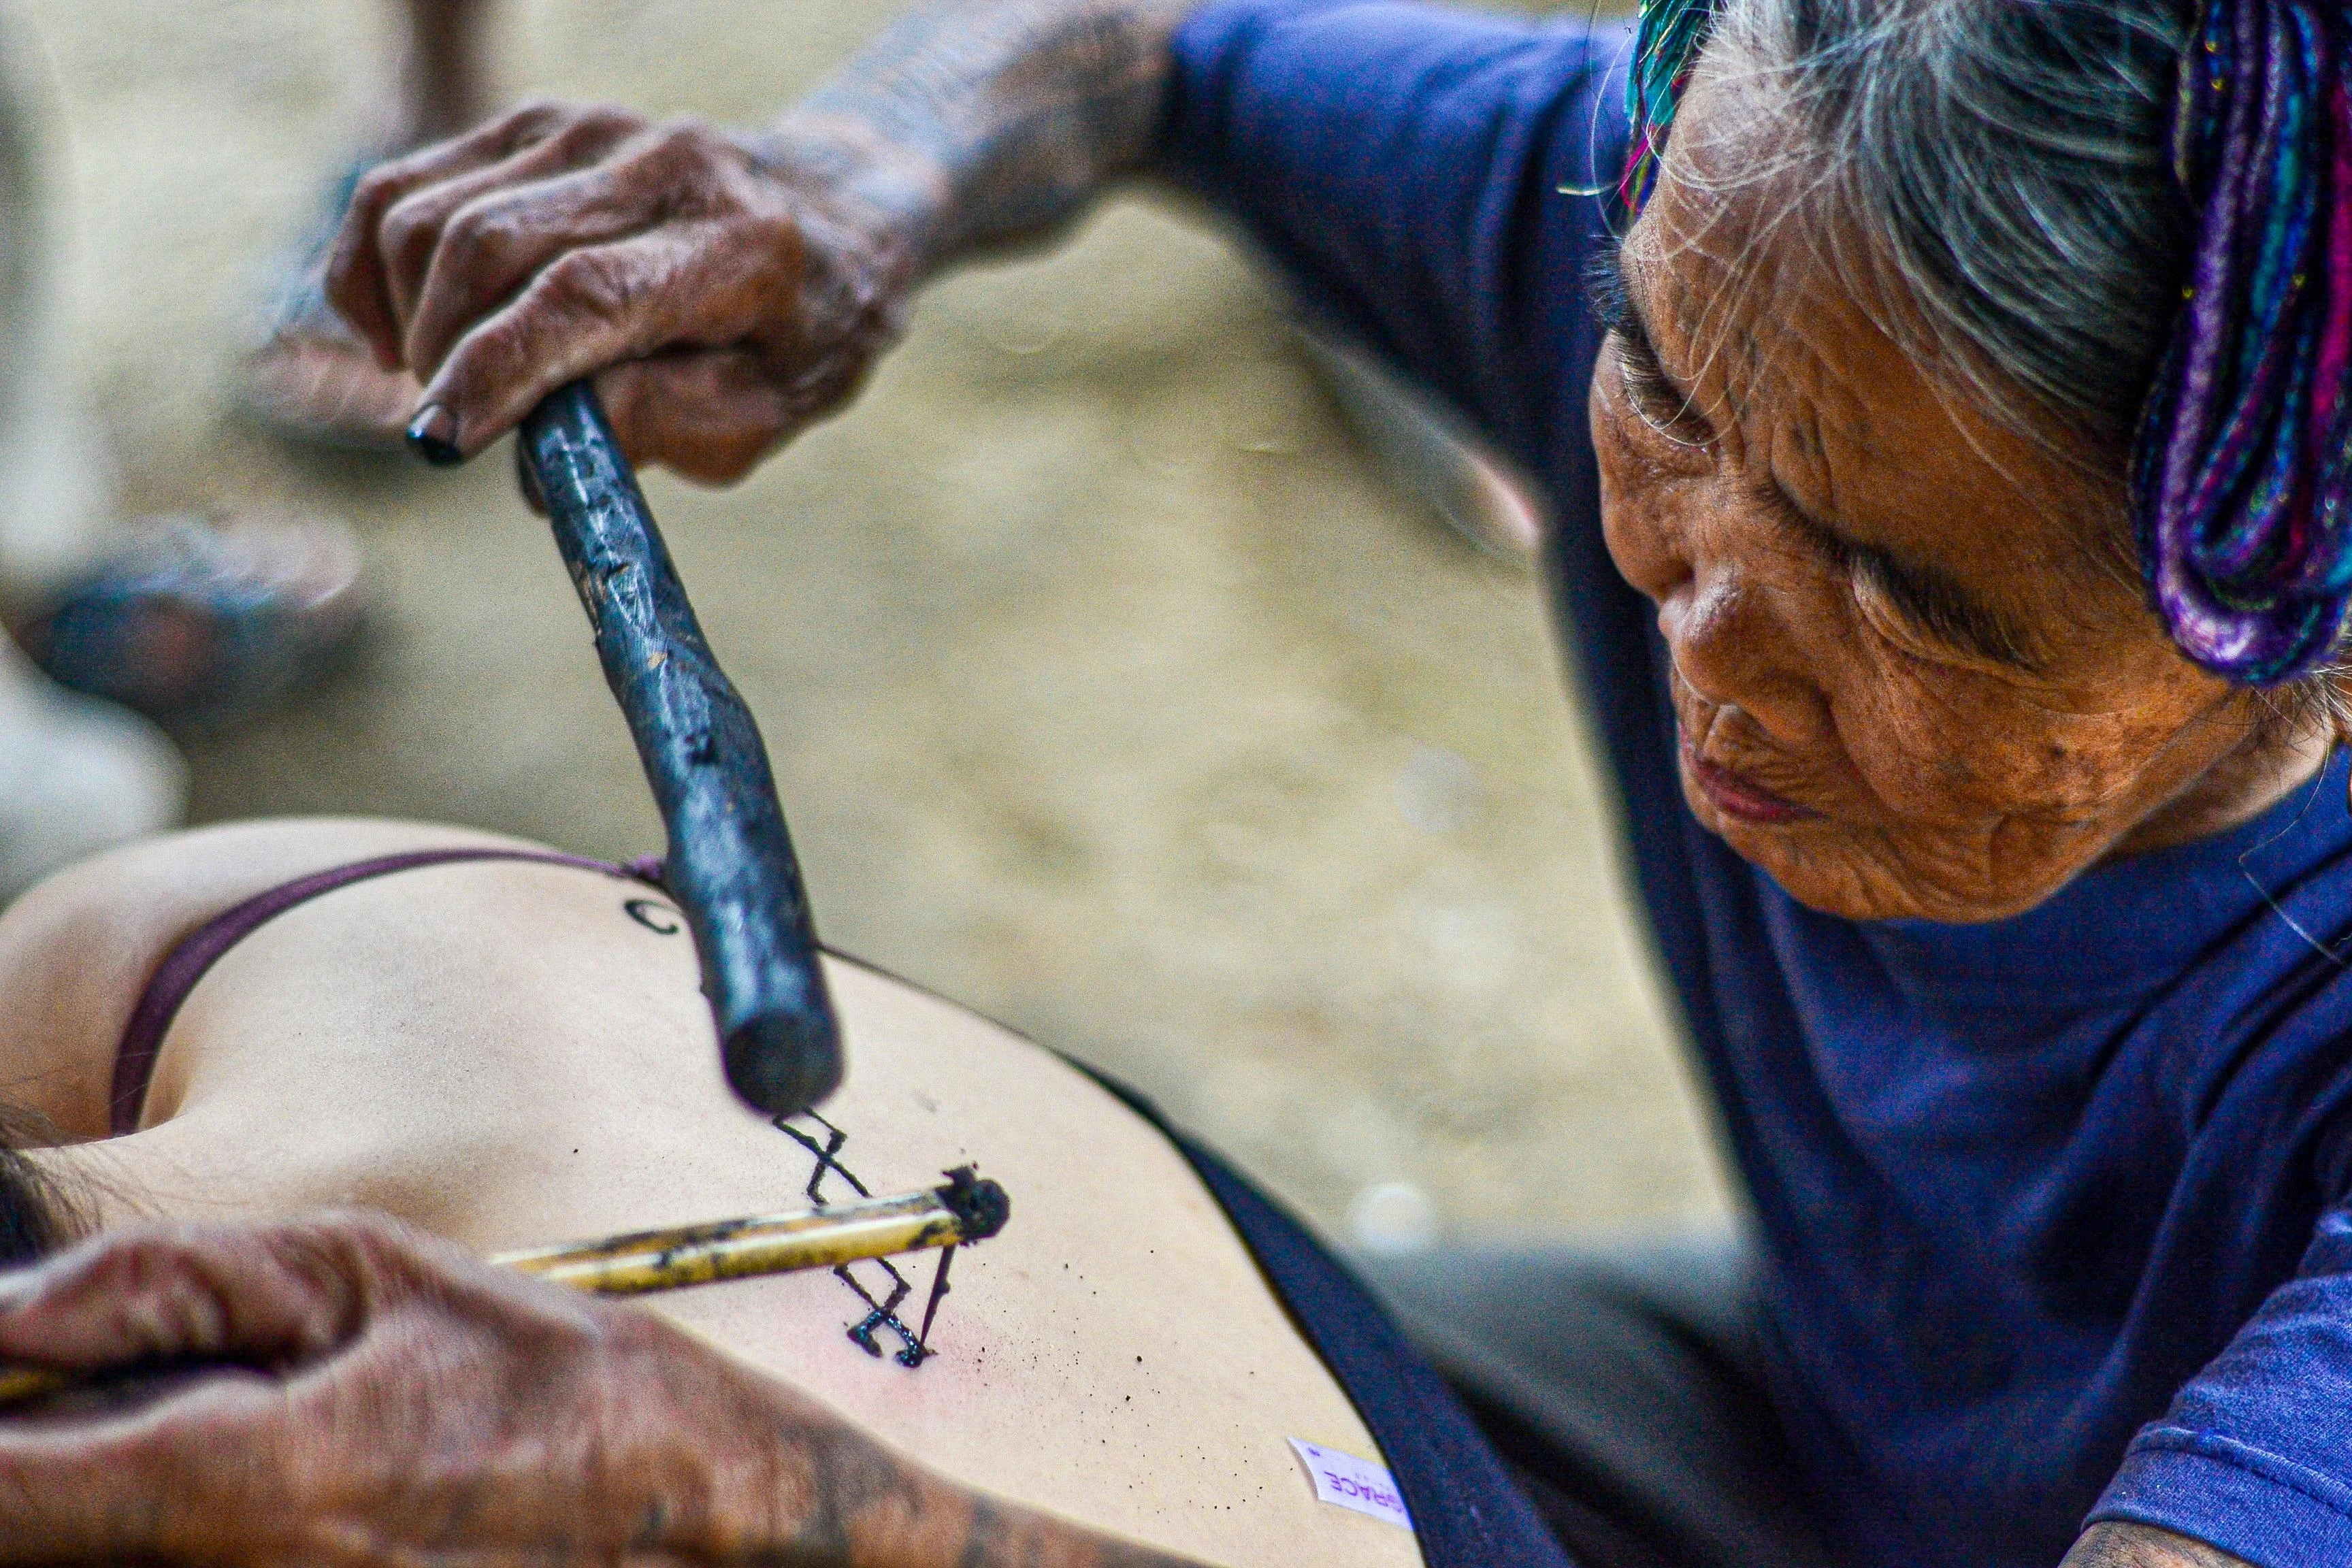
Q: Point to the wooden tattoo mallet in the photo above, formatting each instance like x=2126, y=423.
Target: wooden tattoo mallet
x=731, y=865
x=967, y=1209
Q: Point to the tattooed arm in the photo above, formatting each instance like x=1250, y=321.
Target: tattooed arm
x=987, y=124
x=2112, y=1546
x=397, y=1402
x=731, y=288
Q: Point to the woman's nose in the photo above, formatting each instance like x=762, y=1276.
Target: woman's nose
x=1700, y=619
x=1729, y=650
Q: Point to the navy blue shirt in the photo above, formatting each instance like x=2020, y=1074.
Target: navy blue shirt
x=2054, y=1207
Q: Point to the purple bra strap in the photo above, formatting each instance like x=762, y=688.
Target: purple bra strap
x=168, y=987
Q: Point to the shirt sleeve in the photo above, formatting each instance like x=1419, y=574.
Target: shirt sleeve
x=2254, y=1456
x=1428, y=180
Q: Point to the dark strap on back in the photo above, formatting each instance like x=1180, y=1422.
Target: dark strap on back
x=1467, y=1512
x=168, y=987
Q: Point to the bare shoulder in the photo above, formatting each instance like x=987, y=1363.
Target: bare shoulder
x=75, y=951
x=2114, y=1545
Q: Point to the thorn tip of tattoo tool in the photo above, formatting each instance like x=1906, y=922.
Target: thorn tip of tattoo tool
x=967, y=1208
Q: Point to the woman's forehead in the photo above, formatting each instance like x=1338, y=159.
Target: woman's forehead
x=1773, y=311
x=1782, y=365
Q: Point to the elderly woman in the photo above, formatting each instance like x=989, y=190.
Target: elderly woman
x=1951, y=538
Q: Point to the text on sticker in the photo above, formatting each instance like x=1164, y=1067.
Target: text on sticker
x=1352, y=1482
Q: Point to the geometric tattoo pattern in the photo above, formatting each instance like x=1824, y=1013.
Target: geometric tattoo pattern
x=825, y=1141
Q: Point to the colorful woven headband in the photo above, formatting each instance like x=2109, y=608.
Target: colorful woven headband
x=2241, y=472
x=2241, y=483
x=1665, y=48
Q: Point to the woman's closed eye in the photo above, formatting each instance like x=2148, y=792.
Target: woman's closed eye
x=1653, y=396
x=1915, y=606
x=1652, y=393
x=1923, y=611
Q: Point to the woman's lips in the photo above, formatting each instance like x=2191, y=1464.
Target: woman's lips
x=1735, y=796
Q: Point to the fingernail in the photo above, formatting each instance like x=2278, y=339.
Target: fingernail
x=433, y=435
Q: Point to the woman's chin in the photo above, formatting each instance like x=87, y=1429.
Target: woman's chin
x=1835, y=869
x=1803, y=857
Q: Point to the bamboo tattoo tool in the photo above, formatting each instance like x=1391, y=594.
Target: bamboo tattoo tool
x=967, y=1209
x=731, y=865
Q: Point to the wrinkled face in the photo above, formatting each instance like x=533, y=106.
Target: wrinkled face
x=1908, y=680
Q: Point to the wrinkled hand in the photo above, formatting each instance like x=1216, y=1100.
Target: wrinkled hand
x=728, y=291
x=2117, y=1545
x=396, y=1401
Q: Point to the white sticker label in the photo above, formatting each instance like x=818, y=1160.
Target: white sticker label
x=1352, y=1482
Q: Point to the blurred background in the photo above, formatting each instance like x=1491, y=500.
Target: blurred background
x=1114, y=688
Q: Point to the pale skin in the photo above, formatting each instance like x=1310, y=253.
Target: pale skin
x=1893, y=714
x=501, y=1054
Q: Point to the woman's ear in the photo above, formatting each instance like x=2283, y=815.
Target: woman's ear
x=2332, y=694
x=2318, y=707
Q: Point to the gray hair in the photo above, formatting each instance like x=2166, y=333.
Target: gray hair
x=2007, y=163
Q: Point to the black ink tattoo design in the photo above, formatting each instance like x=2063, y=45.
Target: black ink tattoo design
x=914, y=1347
x=654, y=915
x=825, y=1143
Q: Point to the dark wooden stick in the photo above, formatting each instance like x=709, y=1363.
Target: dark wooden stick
x=731, y=863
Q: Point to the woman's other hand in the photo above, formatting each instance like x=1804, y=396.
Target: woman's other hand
x=726, y=291
x=389, y=1400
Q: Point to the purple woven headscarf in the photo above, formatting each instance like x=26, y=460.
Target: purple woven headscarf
x=2241, y=484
